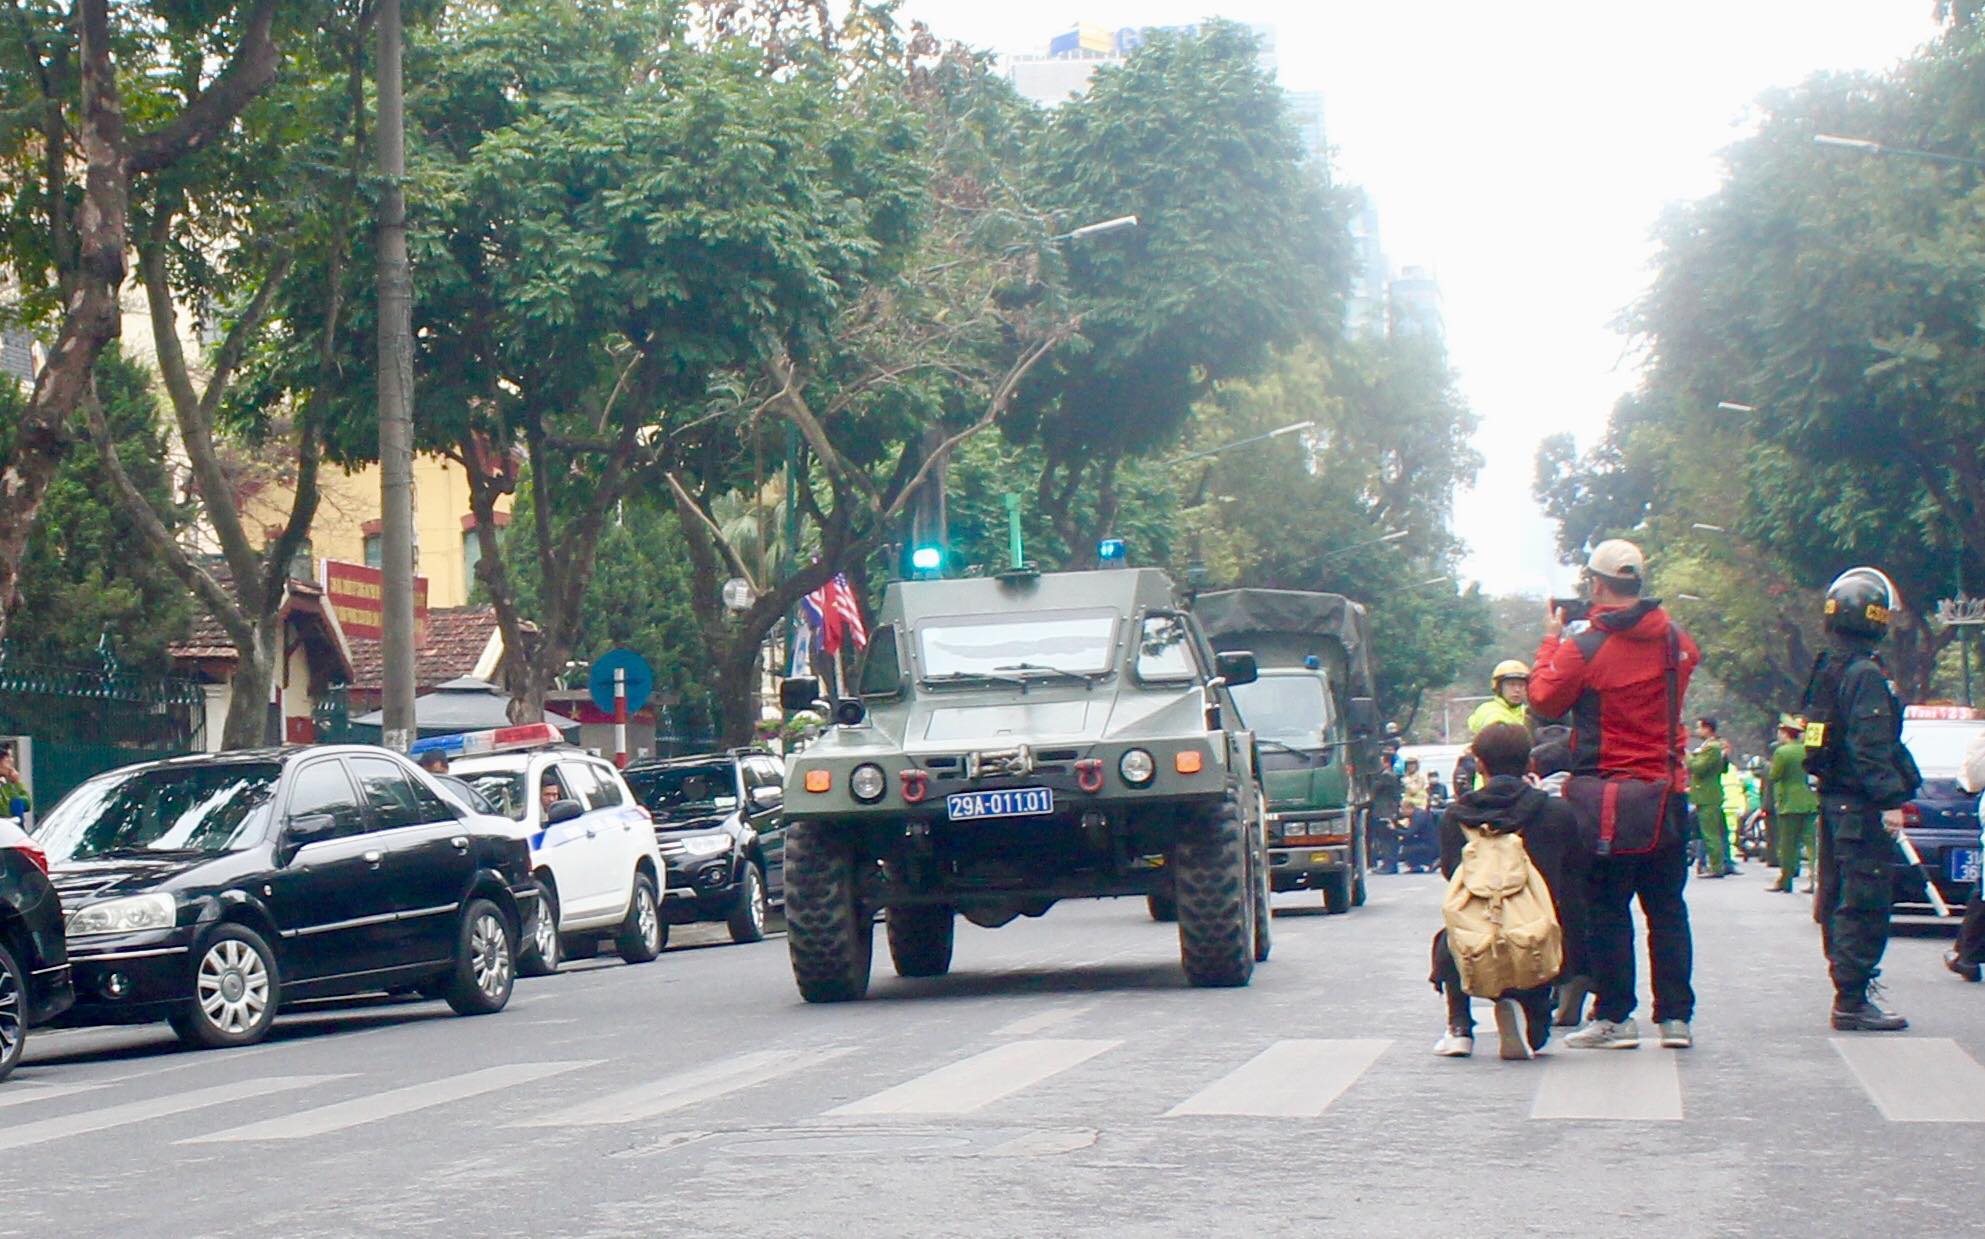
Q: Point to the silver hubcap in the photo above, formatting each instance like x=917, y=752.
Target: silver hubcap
x=547, y=934
x=651, y=925
x=11, y=1020
x=489, y=955
x=233, y=986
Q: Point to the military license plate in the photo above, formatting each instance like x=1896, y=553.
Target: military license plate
x=1964, y=864
x=1010, y=802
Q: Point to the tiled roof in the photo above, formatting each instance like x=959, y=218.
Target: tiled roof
x=451, y=644
x=209, y=640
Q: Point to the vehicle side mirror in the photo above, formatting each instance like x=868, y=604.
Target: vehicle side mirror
x=768, y=797
x=309, y=828
x=562, y=811
x=798, y=693
x=1362, y=716
x=1236, y=667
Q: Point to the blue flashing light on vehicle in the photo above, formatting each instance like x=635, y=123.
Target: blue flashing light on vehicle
x=1112, y=552
x=495, y=740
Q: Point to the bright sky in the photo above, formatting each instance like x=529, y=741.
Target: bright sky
x=1522, y=152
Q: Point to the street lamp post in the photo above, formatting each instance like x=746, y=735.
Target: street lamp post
x=395, y=397
x=1869, y=147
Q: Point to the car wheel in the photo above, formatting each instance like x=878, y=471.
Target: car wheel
x=485, y=961
x=1360, y=862
x=830, y=935
x=235, y=991
x=13, y=1013
x=1264, y=916
x=1162, y=906
x=747, y=921
x=640, y=938
x=920, y=940
x=1337, y=893
x=1216, y=903
x=540, y=955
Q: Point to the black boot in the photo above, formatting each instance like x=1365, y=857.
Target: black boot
x=1857, y=1013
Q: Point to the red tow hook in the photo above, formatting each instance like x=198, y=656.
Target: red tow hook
x=1089, y=774
x=916, y=785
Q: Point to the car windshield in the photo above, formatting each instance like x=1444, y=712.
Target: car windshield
x=1288, y=709
x=1939, y=747
x=503, y=789
x=1009, y=646
x=678, y=792
x=205, y=809
x=464, y=793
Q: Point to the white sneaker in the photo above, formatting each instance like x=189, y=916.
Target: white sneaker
x=1455, y=1044
x=1606, y=1035
x=1675, y=1035
x=1511, y=1030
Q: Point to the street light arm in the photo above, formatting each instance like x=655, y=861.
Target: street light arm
x=1868, y=146
x=1277, y=433
x=1121, y=223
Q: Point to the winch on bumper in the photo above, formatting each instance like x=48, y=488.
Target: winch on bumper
x=1304, y=848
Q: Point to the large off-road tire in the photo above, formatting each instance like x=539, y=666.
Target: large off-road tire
x=747, y=919
x=539, y=955
x=920, y=940
x=1337, y=892
x=1216, y=900
x=1264, y=915
x=830, y=935
x=236, y=990
x=1162, y=905
x=641, y=938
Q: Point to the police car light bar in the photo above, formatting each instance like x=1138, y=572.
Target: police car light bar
x=496, y=740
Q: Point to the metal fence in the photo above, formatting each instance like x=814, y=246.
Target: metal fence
x=83, y=720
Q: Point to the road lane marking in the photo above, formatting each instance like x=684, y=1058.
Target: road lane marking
x=22, y=1094
x=1027, y=1026
x=391, y=1104
x=1917, y=1079
x=685, y=1088
x=15, y=1137
x=1640, y=1085
x=980, y=1080
x=1290, y=1079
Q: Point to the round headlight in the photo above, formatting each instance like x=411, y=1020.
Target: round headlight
x=1136, y=767
x=867, y=783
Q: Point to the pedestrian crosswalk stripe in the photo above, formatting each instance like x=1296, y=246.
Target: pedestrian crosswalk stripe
x=22, y=1094
x=14, y=1137
x=1290, y=1079
x=391, y=1104
x=980, y=1080
x=1626, y=1085
x=1027, y=1026
x=1917, y=1079
x=686, y=1088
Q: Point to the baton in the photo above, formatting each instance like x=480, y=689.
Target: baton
x=1929, y=879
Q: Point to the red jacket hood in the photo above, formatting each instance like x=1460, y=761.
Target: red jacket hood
x=1643, y=621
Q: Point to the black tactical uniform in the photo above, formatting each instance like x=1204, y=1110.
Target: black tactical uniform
x=1863, y=769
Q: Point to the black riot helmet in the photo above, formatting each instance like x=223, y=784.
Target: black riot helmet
x=1860, y=601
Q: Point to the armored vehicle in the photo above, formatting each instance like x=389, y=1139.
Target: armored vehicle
x=1315, y=725
x=1017, y=740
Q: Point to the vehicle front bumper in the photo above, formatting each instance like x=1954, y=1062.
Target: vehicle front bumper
x=701, y=888
x=151, y=972
x=1306, y=845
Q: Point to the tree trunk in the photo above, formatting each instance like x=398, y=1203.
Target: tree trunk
x=253, y=686
x=737, y=688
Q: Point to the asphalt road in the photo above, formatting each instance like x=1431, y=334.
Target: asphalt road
x=1062, y=1081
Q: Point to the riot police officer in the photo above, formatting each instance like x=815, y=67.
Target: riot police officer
x=1854, y=746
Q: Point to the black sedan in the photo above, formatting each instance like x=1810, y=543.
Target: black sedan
x=34, y=966
x=208, y=891
x=718, y=825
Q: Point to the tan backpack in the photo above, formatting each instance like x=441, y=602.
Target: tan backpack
x=1501, y=927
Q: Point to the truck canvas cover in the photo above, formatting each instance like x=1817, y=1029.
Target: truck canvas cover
x=1283, y=626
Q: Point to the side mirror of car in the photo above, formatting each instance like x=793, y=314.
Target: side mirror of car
x=1362, y=716
x=1236, y=667
x=767, y=797
x=562, y=811
x=309, y=828
x=798, y=693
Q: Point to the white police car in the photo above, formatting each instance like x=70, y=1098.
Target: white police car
x=592, y=844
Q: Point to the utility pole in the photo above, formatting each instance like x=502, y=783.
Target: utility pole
x=396, y=384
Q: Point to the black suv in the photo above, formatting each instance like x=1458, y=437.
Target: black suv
x=208, y=891
x=34, y=968
x=717, y=821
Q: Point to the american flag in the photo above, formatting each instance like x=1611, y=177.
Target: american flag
x=837, y=615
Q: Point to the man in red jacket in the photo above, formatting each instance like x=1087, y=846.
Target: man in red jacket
x=1607, y=676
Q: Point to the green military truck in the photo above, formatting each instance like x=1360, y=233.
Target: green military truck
x=1314, y=721
x=1017, y=740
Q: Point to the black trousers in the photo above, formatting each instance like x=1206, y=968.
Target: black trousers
x=1856, y=891
x=1971, y=934
x=1656, y=880
x=1446, y=977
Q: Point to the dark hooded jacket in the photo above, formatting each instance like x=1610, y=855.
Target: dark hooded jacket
x=1614, y=692
x=1549, y=830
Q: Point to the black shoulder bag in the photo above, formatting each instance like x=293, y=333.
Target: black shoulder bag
x=1631, y=817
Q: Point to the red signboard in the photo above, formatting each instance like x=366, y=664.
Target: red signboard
x=357, y=594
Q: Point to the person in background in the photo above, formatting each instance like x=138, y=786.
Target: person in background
x=14, y=800
x=1736, y=801
x=1412, y=810
x=550, y=792
x=1388, y=788
x=1509, y=686
x=1795, y=808
x=1967, y=956
x=434, y=762
x=1707, y=762
x=1508, y=803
